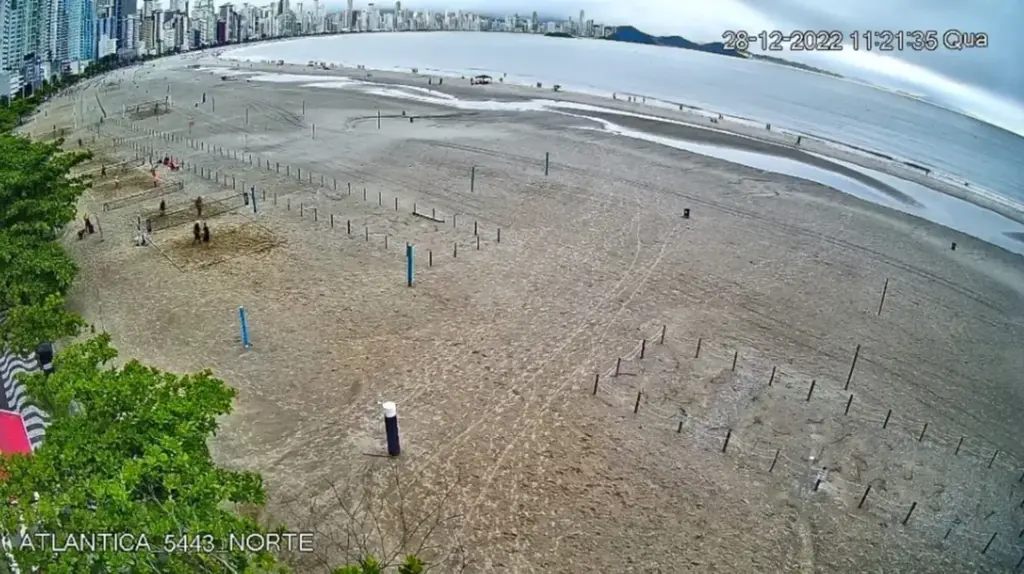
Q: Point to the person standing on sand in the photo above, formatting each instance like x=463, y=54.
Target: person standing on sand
x=163, y=208
x=199, y=206
x=196, y=233
x=206, y=233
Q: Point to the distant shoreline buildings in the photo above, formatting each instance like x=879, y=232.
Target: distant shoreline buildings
x=42, y=40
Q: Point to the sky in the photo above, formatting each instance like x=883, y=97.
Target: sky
x=987, y=83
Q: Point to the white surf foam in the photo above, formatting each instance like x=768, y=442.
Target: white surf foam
x=937, y=209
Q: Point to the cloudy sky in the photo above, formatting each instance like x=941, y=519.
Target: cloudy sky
x=988, y=83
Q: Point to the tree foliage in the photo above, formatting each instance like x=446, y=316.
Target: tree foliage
x=132, y=459
x=38, y=197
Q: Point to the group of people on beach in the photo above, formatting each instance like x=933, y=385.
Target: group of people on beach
x=200, y=234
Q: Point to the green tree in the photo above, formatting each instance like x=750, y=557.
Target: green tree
x=38, y=196
x=127, y=453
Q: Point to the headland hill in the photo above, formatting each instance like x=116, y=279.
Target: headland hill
x=632, y=35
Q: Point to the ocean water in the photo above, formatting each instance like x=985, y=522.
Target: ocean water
x=947, y=142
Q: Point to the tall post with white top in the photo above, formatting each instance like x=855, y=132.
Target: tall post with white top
x=391, y=428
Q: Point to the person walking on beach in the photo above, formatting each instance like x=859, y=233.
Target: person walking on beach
x=199, y=206
x=163, y=208
x=196, y=233
x=206, y=233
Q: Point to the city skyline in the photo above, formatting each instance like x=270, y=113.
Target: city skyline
x=58, y=36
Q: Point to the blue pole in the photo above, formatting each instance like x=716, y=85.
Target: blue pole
x=254, y=199
x=245, y=327
x=408, y=263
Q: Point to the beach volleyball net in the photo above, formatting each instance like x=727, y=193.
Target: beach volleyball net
x=152, y=194
x=188, y=214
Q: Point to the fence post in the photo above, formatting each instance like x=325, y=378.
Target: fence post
x=865, y=497
x=885, y=289
x=853, y=365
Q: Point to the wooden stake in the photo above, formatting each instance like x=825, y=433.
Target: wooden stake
x=735, y=355
x=853, y=365
x=885, y=288
x=697, y=354
x=811, y=390
x=923, y=430
x=643, y=348
x=958, y=445
x=680, y=428
x=994, y=455
x=728, y=435
x=865, y=497
x=430, y=258
x=990, y=540
x=636, y=406
x=849, y=402
x=661, y=340
x=618, y=366
x=772, y=377
x=887, y=415
x=913, y=505
x=774, y=460
x=597, y=379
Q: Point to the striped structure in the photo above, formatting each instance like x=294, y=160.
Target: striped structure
x=14, y=397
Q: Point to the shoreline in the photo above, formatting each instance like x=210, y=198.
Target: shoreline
x=703, y=116
x=824, y=155
x=783, y=140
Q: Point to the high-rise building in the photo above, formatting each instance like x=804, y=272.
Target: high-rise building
x=81, y=29
x=124, y=26
x=349, y=15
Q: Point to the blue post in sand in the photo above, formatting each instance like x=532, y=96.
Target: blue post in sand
x=391, y=428
x=245, y=327
x=408, y=263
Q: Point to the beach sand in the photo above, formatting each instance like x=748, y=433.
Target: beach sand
x=492, y=355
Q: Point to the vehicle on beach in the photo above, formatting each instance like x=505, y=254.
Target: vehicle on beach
x=482, y=79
